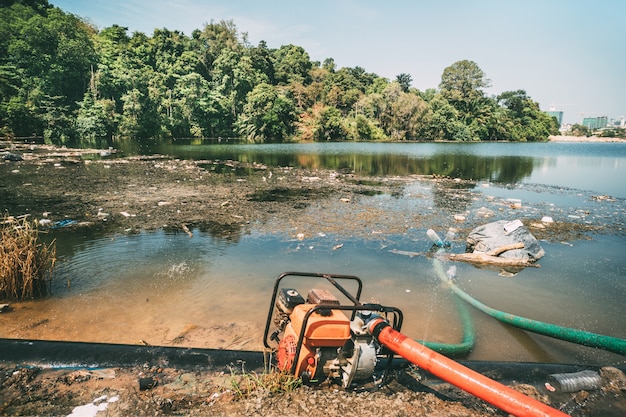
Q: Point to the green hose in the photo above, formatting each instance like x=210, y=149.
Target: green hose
x=464, y=348
x=612, y=344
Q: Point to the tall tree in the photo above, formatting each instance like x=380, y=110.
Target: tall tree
x=291, y=64
x=462, y=84
x=405, y=81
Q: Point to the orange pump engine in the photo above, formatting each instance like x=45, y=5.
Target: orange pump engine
x=321, y=339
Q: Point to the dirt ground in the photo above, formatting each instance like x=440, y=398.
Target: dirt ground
x=81, y=188
x=152, y=391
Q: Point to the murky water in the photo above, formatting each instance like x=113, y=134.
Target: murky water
x=154, y=287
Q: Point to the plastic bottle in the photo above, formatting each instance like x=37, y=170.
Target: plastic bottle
x=450, y=235
x=434, y=237
x=576, y=381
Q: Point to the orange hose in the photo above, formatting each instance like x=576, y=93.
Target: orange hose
x=493, y=392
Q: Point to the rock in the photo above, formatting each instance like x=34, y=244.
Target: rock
x=614, y=379
x=147, y=383
x=12, y=157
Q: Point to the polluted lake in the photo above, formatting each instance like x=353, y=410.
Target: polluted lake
x=182, y=250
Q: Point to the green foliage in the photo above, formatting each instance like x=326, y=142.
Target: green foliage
x=95, y=119
x=445, y=123
x=291, y=64
x=613, y=133
x=580, y=130
x=364, y=128
x=405, y=81
x=64, y=80
x=523, y=119
x=267, y=116
x=329, y=125
x=462, y=84
x=49, y=54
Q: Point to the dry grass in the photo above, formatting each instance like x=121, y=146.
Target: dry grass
x=26, y=264
x=273, y=382
x=246, y=384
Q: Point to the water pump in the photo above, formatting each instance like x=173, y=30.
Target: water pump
x=321, y=339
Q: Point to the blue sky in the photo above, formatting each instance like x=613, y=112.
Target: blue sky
x=567, y=54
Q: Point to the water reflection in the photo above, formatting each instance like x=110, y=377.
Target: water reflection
x=574, y=165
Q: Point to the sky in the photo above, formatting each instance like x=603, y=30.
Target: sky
x=569, y=55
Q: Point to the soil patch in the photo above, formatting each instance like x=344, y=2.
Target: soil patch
x=151, y=390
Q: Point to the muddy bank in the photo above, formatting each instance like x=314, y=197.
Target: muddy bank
x=68, y=188
x=161, y=390
x=117, y=392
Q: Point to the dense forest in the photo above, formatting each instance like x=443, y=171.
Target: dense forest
x=65, y=80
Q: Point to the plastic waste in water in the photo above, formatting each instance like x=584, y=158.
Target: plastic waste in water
x=450, y=235
x=451, y=272
x=570, y=382
x=434, y=237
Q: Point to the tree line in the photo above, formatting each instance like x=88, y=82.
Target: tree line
x=65, y=80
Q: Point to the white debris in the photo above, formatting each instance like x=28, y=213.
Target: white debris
x=512, y=226
x=515, y=202
x=91, y=409
x=484, y=212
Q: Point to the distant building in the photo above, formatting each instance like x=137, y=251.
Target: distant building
x=556, y=113
x=595, y=123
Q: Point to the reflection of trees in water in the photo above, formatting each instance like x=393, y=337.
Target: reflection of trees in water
x=503, y=169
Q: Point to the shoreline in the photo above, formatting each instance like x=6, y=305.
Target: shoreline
x=587, y=139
